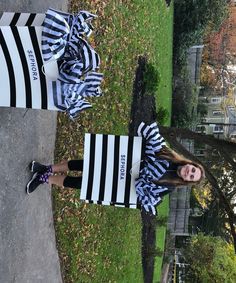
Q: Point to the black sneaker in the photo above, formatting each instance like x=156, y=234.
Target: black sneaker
x=33, y=183
x=37, y=167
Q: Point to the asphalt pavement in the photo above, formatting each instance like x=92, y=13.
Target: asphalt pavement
x=28, y=252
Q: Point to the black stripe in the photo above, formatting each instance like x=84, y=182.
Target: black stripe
x=90, y=67
x=149, y=131
x=30, y=19
x=143, y=149
x=15, y=19
x=128, y=168
x=91, y=166
x=56, y=29
x=24, y=63
x=35, y=43
x=155, y=170
x=56, y=20
x=103, y=167
x=116, y=168
x=138, y=204
x=93, y=80
x=10, y=71
x=51, y=35
x=155, y=144
x=86, y=48
x=154, y=135
x=81, y=53
x=55, y=98
x=97, y=58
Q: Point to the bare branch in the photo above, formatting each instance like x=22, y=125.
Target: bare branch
x=224, y=147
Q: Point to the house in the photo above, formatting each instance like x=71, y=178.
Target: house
x=220, y=120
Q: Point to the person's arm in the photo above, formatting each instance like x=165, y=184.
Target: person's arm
x=154, y=141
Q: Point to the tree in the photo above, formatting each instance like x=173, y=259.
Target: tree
x=143, y=109
x=192, y=18
x=210, y=259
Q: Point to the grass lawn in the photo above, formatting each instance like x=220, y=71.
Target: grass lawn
x=103, y=244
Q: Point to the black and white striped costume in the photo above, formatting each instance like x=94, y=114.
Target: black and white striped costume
x=63, y=40
x=149, y=194
x=61, y=30
x=74, y=94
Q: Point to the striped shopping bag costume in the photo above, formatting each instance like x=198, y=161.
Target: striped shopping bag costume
x=111, y=165
x=28, y=42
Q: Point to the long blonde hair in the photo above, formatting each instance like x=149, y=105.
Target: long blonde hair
x=171, y=155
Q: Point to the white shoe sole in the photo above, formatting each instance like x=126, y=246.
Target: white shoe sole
x=28, y=184
x=32, y=166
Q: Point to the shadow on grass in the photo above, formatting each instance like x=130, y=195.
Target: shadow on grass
x=143, y=109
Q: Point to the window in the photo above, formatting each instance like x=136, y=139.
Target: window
x=200, y=129
x=218, y=129
x=215, y=99
x=217, y=112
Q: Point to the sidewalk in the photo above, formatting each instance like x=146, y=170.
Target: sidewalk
x=28, y=251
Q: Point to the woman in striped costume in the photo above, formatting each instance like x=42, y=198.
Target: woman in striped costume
x=161, y=170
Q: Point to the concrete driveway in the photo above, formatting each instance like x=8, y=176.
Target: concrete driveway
x=28, y=251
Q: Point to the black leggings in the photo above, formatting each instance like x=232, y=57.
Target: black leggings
x=74, y=182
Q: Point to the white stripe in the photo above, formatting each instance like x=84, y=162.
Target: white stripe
x=97, y=167
x=32, y=66
x=22, y=19
x=8, y=16
x=38, y=20
x=86, y=52
x=51, y=72
x=109, y=168
x=94, y=65
x=141, y=125
x=51, y=105
x=6, y=19
x=122, y=169
x=136, y=157
x=119, y=205
x=17, y=66
x=154, y=125
x=133, y=206
x=84, y=186
x=4, y=81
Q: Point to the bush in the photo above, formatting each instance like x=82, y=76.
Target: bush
x=215, y=260
x=162, y=115
x=151, y=79
x=184, y=103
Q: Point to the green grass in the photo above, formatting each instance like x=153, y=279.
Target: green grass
x=99, y=244
x=163, y=210
x=96, y=243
